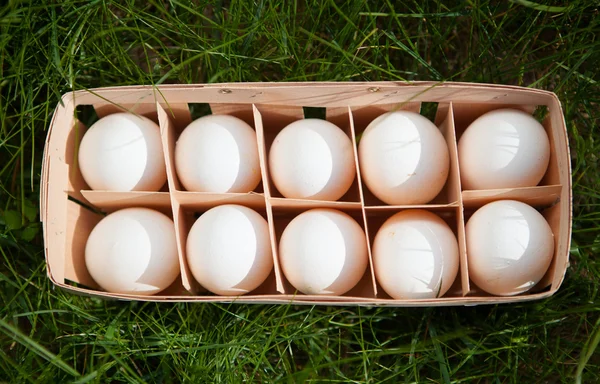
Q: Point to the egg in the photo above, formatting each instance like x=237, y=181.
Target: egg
x=123, y=152
x=505, y=148
x=509, y=247
x=229, y=250
x=219, y=154
x=323, y=252
x=133, y=251
x=312, y=159
x=403, y=158
x=415, y=255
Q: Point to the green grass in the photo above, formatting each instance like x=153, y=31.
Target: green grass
x=47, y=335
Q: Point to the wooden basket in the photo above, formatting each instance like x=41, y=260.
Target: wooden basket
x=268, y=107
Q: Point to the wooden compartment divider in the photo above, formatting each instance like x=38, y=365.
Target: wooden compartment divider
x=445, y=119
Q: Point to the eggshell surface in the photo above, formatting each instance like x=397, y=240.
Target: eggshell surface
x=218, y=153
x=505, y=148
x=229, y=250
x=403, y=158
x=133, y=251
x=123, y=152
x=415, y=255
x=312, y=159
x=509, y=247
x=323, y=252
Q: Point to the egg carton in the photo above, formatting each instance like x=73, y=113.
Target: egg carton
x=70, y=210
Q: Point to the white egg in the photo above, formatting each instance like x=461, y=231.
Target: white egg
x=312, y=159
x=323, y=252
x=403, y=158
x=133, y=251
x=123, y=152
x=415, y=255
x=505, y=148
x=229, y=250
x=509, y=247
x=218, y=153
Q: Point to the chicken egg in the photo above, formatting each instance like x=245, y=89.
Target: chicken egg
x=403, y=158
x=323, y=252
x=218, y=153
x=509, y=247
x=133, y=251
x=312, y=159
x=505, y=148
x=123, y=152
x=415, y=255
x=229, y=250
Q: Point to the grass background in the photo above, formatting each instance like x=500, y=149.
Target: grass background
x=47, y=335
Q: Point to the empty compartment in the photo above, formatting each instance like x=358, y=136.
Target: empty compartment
x=80, y=223
x=467, y=113
x=364, y=289
x=171, y=132
x=449, y=194
x=551, y=214
x=186, y=218
x=273, y=119
x=451, y=215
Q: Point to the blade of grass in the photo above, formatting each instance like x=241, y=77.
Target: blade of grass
x=36, y=348
x=588, y=352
